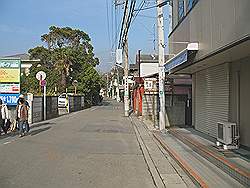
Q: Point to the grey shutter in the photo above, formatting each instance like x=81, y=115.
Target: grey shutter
x=212, y=98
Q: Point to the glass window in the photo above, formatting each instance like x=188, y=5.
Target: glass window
x=180, y=9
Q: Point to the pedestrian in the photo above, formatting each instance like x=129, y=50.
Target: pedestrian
x=26, y=103
x=4, y=117
x=22, y=117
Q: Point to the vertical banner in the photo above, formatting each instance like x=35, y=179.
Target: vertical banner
x=10, y=70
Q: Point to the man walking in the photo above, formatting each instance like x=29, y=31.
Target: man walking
x=22, y=117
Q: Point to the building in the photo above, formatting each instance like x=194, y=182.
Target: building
x=26, y=62
x=211, y=42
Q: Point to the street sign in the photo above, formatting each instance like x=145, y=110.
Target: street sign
x=43, y=83
x=40, y=75
x=119, y=56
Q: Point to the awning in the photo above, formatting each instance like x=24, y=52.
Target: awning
x=181, y=57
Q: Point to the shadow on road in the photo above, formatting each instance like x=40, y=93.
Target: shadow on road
x=16, y=132
x=37, y=131
x=41, y=124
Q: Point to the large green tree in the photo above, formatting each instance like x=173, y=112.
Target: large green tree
x=68, y=56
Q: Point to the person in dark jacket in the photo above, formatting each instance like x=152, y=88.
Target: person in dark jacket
x=21, y=97
x=22, y=117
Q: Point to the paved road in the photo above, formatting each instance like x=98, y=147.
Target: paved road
x=96, y=147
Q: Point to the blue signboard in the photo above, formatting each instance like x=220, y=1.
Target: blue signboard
x=176, y=61
x=9, y=99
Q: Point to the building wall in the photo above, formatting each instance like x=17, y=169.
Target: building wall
x=212, y=23
x=175, y=109
x=239, y=98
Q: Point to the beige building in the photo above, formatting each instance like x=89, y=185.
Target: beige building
x=26, y=63
x=220, y=66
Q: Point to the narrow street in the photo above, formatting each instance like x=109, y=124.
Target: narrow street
x=96, y=147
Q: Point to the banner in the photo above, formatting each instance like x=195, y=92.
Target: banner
x=9, y=75
x=9, y=99
x=9, y=88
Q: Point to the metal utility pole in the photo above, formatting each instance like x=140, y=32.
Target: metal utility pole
x=161, y=45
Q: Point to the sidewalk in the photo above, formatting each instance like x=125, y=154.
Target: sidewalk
x=204, y=164
x=165, y=171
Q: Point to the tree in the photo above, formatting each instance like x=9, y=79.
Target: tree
x=68, y=56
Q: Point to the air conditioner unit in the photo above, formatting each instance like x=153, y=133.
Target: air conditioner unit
x=228, y=135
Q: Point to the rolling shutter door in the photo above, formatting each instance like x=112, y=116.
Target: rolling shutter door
x=211, y=98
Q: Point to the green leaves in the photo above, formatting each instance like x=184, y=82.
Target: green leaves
x=69, y=56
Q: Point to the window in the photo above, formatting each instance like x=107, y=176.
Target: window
x=180, y=9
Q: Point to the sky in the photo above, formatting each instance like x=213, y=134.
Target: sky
x=22, y=22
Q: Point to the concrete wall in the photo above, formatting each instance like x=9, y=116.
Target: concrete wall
x=175, y=109
x=239, y=98
x=76, y=103
x=212, y=23
x=37, y=109
x=150, y=107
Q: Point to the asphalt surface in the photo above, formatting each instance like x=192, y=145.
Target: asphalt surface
x=96, y=147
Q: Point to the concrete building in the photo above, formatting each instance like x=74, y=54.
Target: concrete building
x=220, y=66
x=26, y=62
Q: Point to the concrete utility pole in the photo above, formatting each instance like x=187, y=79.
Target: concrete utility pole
x=161, y=46
x=125, y=56
x=126, y=88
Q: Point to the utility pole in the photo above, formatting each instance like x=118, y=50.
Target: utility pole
x=126, y=88
x=161, y=45
x=125, y=56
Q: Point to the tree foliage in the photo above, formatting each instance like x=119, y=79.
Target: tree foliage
x=68, y=56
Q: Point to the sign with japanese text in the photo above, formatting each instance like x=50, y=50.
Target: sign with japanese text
x=9, y=99
x=9, y=88
x=10, y=70
x=9, y=75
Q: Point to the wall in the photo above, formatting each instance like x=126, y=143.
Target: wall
x=211, y=23
x=37, y=109
x=175, y=109
x=239, y=98
x=76, y=103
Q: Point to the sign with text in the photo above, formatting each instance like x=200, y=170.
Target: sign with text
x=9, y=88
x=10, y=70
x=9, y=99
x=9, y=75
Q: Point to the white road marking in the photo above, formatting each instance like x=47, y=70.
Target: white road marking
x=6, y=143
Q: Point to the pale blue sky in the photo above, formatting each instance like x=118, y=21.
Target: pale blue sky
x=22, y=22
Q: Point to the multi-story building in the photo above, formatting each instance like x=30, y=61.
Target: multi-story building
x=219, y=64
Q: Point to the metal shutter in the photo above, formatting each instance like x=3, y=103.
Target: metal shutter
x=211, y=98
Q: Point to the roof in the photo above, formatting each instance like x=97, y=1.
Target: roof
x=133, y=66
x=23, y=56
x=150, y=58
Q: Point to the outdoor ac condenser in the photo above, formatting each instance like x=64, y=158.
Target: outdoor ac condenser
x=228, y=135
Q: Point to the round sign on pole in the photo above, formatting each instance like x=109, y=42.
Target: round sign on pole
x=43, y=83
x=41, y=75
